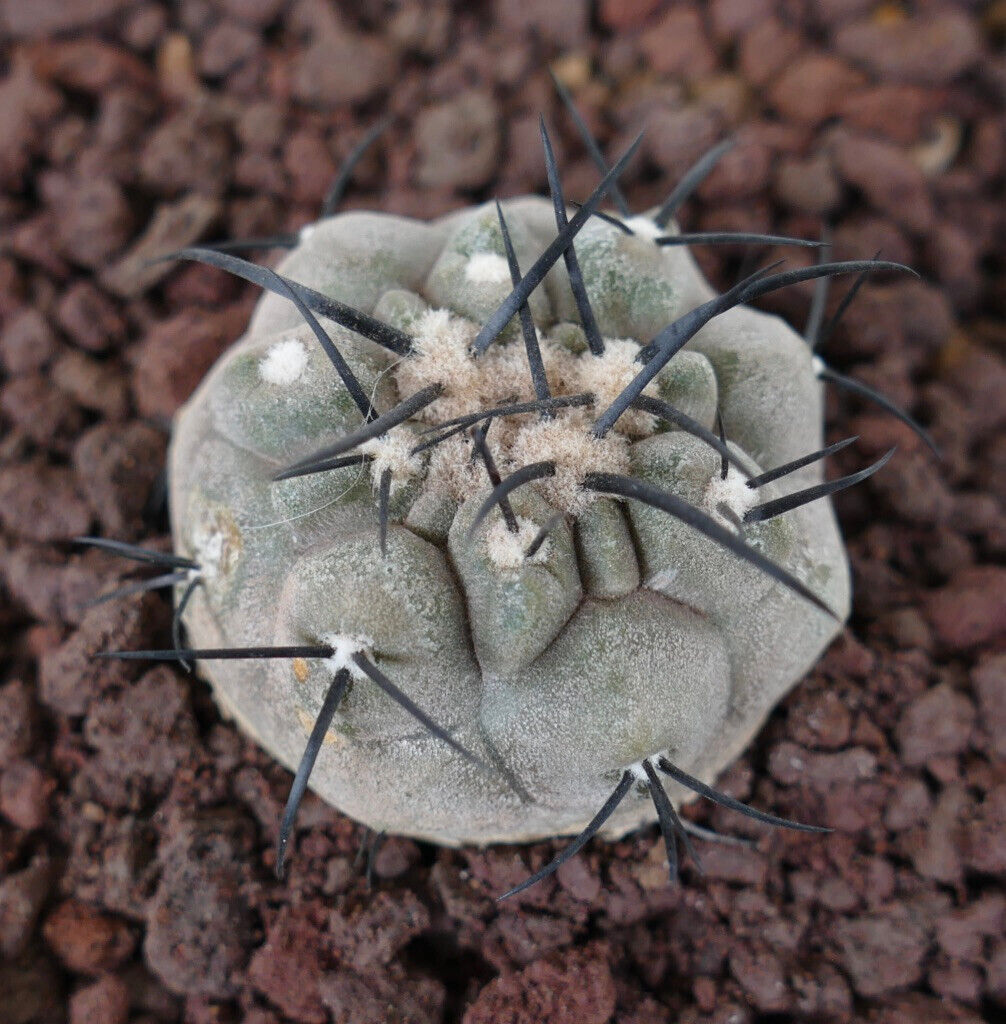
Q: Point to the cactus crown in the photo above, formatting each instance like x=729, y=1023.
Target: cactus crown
x=539, y=437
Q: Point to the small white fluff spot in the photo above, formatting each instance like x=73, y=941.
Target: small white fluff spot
x=817, y=364
x=208, y=551
x=284, y=363
x=487, y=268
x=732, y=492
x=607, y=375
x=506, y=549
x=393, y=451
x=645, y=227
x=343, y=649
x=306, y=232
x=438, y=334
x=568, y=442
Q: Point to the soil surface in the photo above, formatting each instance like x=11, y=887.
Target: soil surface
x=137, y=828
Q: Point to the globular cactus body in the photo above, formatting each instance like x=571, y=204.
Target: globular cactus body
x=625, y=635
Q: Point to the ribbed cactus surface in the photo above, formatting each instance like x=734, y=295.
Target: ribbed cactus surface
x=572, y=631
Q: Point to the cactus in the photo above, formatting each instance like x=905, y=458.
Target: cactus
x=525, y=524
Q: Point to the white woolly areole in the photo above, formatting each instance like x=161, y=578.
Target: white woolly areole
x=645, y=227
x=284, y=362
x=208, y=550
x=343, y=649
x=452, y=470
x=568, y=442
x=440, y=331
x=441, y=355
x=487, y=268
x=506, y=548
x=393, y=451
x=606, y=376
x=733, y=492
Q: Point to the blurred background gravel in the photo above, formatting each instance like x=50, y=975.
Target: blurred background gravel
x=136, y=827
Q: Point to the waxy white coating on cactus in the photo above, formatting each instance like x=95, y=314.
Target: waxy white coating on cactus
x=626, y=635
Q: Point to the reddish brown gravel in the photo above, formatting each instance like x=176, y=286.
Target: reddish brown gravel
x=137, y=828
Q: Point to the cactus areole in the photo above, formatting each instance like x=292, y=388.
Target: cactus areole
x=501, y=600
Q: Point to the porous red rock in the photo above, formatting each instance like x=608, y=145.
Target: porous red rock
x=27, y=342
x=43, y=414
x=390, y=996
x=105, y=1001
x=761, y=977
x=935, y=724
x=742, y=172
x=812, y=88
x=459, y=141
x=676, y=45
x=769, y=46
x=175, y=355
x=87, y=941
x=173, y=226
x=881, y=951
x=970, y=609
x=94, y=220
x=989, y=681
x=24, y=794
x=226, y=47
x=90, y=318
x=89, y=65
x=888, y=178
x=376, y=934
x=807, y=186
x=792, y=765
x=48, y=17
x=116, y=468
x=570, y=988
x=91, y=384
x=288, y=968
x=17, y=721
x=41, y=502
x=729, y=18
x=70, y=676
x=625, y=14
x=142, y=736
x=564, y=23
x=188, y=152
x=198, y=923
x=339, y=65
x=675, y=139
x=22, y=896
x=983, y=843
x=930, y=48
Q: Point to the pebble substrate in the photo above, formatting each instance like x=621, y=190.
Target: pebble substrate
x=137, y=828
